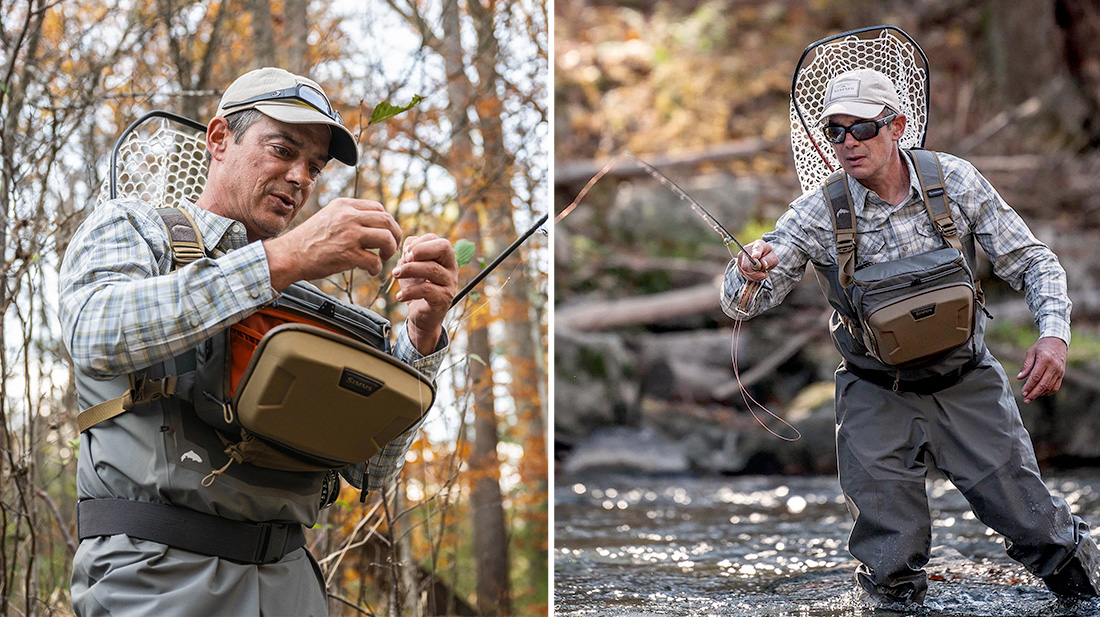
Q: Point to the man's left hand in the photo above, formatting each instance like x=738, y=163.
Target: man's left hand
x=1044, y=366
x=428, y=275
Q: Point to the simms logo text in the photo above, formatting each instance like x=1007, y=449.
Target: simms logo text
x=359, y=383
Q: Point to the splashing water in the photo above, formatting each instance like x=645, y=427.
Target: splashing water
x=773, y=546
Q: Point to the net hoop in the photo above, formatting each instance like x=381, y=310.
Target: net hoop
x=163, y=163
x=887, y=49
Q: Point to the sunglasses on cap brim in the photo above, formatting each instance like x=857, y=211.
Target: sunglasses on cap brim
x=303, y=93
x=862, y=131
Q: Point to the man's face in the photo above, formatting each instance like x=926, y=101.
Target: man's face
x=866, y=160
x=268, y=173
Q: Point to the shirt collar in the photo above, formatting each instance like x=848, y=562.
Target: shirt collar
x=218, y=232
x=860, y=193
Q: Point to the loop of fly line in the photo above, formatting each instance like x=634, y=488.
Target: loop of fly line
x=727, y=239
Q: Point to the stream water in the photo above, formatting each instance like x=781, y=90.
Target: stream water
x=773, y=546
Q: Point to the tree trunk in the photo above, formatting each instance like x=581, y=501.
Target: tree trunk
x=1079, y=21
x=486, y=503
x=490, y=530
x=262, y=34
x=297, y=33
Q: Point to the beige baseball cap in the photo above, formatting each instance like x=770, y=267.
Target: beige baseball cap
x=861, y=93
x=293, y=99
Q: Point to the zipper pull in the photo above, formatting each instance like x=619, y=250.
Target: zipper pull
x=227, y=407
x=897, y=379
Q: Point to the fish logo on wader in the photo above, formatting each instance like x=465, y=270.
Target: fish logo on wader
x=190, y=456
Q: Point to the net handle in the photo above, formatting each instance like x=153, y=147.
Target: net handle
x=812, y=46
x=133, y=126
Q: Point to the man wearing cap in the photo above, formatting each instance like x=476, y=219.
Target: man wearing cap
x=957, y=413
x=124, y=310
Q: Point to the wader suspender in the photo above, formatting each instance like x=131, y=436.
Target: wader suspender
x=930, y=176
x=183, y=528
x=187, y=246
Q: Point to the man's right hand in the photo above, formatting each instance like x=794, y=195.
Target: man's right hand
x=765, y=256
x=345, y=234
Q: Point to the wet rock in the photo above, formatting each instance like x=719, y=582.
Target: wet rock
x=594, y=383
x=626, y=449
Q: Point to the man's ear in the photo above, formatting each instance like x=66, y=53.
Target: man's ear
x=217, y=137
x=898, y=125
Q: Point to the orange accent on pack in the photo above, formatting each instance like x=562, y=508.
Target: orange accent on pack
x=245, y=335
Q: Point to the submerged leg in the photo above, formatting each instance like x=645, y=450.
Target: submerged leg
x=982, y=445
x=882, y=473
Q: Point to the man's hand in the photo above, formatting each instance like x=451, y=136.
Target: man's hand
x=428, y=275
x=1044, y=366
x=345, y=234
x=764, y=254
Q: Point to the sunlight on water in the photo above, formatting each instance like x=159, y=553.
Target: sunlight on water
x=771, y=546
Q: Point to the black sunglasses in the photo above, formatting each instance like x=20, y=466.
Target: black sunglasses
x=301, y=92
x=862, y=131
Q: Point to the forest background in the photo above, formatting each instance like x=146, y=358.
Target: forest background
x=464, y=530
x=643, y=373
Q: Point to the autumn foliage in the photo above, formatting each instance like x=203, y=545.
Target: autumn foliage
x=463, y=163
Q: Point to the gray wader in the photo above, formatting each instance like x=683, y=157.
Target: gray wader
x=120, y=575
x=972, y=432
x=961, y=418
x=159, y=453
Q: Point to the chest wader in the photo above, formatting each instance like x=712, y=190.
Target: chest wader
x=304, y=388
x=953, y=409
x=915, y=324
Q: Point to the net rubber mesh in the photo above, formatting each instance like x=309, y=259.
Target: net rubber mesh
x=881, y=50
x=162, y=163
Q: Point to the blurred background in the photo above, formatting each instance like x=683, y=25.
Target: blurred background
x=464, y=530
x=644, y=376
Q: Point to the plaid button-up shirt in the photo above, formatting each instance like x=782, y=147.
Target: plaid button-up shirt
x=887, y=232
x=122, y=309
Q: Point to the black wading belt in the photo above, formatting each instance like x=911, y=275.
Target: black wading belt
x=254, y=543
x=928, y=385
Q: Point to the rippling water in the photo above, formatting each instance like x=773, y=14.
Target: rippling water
x=774, y=546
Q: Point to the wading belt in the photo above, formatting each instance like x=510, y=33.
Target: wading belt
x=254, y=543
x=928, y=385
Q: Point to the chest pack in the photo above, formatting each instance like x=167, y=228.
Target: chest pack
x=306, y=383
x=912, y=310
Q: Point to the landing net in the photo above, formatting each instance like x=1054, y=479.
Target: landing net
x=160, y=160
x=884, y=48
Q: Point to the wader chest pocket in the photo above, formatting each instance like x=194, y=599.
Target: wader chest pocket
x=913, y=309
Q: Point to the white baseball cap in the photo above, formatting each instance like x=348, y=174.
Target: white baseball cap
x=293, y=99
x=862, y=93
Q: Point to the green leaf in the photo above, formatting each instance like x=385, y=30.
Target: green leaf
x=4, y=88
x=478, y=359
x=384, y=111
x=464, y=252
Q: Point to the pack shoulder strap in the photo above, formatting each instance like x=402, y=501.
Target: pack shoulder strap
x=839, y=196
x=183, y=234
x=141, y=390
x=930, y=176
x=186, y=241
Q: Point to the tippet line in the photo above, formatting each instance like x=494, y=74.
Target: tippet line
x=747, y=294
x=727, y=237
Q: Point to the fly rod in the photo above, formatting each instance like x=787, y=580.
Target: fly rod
x=496, y=262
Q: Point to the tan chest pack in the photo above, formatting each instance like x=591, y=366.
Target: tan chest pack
x=912, y=310
x=304, y=384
